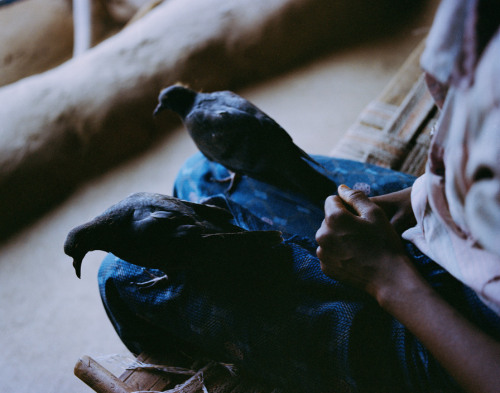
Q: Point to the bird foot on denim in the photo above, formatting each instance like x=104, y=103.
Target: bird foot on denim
x=153, y=282
x=233, y=179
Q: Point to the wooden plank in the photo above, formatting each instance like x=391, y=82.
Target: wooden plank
x=392, y=131
x=377, y=114
x=415, y=160
x=412, y=114
x=399, y=86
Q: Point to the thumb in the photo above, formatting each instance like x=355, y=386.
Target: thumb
x=357, y=200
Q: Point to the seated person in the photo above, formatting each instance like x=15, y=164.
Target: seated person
x=353, y=306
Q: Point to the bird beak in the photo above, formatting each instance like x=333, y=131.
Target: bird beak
x=158, y=109
x=77, y=264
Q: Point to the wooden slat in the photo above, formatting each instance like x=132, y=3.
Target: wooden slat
x=416, y=158
x=393, y=130
x=399, y=86
x=377, y=114
x=412, y=114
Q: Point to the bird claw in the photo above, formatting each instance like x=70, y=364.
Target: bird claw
x=233, y=178
x=223, y=180
x=154, y=281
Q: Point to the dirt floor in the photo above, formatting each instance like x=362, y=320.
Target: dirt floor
x=49, y=318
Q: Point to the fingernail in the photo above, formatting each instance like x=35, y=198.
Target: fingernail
x=344, y=187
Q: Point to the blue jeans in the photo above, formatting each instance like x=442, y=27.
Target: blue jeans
x=287, y=323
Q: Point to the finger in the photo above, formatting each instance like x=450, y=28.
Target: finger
x=336, y=209
x=320, y=253
x=358, y=201
x=326, y=259
x=334, y=204
x=325, y=237
x=331, y=244
x=331, y=271
x=332, y=268
x=321, y=233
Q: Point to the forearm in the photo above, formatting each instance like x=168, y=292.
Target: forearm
x=468, y=354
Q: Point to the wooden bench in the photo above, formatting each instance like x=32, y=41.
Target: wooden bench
x=392, y=131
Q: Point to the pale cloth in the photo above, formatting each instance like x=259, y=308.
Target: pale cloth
x=457, y=201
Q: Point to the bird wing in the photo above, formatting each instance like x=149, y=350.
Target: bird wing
x=242, y=242
x=163, y=223
x=268, y=126
x=210, y=212
x=278, y=134
x=266, y=129
x=240, y=141
x=282, y=142
x=281, y=138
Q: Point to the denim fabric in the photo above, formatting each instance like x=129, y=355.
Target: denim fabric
x=285, y=321
x=199, y=180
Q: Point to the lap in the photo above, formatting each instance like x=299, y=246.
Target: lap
x=288, y=322
x=199, y=179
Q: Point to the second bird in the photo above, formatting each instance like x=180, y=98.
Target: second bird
x=232, y=131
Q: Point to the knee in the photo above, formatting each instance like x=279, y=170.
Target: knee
x=195, y=180
x=108, y=269
x=115, y=277
x=189, y=175
x=107, y=277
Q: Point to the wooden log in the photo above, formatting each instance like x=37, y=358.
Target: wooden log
x=144, y=379
x=47, y=41
x=98, y=378
x=37, y=35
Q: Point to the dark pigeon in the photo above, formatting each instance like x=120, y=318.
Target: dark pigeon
x=166, y=233
x=235, y=133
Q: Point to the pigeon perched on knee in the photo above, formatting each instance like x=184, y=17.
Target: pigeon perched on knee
x=169, y=234
x=230, y=130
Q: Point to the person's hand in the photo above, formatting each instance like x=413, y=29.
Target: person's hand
x=358, y=244
x=397, y=208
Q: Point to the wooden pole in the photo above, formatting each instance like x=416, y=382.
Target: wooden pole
x=98, y=378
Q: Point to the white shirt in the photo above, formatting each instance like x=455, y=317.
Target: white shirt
x=457, y=201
